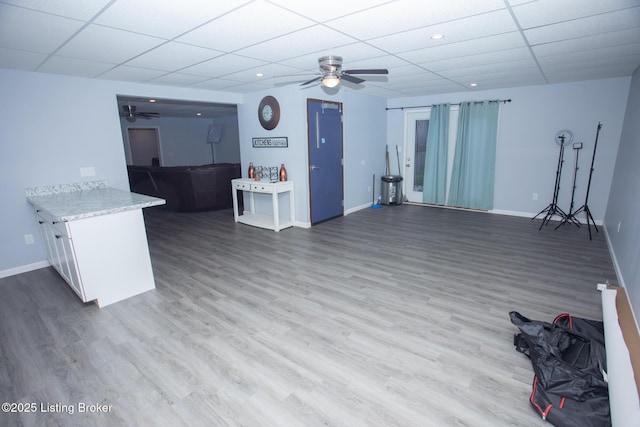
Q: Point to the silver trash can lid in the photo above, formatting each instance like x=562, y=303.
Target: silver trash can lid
x=391, y=178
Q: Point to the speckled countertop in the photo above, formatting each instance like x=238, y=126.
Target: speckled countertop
x=70, y=202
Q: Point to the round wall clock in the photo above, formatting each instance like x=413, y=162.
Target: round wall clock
x=269, y=112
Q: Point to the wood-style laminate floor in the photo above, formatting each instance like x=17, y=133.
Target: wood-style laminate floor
x=386, y=317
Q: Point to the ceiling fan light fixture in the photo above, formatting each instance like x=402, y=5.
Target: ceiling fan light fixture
x=331, y=80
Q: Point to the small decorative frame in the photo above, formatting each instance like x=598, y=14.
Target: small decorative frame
x=270, y=142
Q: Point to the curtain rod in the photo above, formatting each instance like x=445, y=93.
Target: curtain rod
x=504, y=101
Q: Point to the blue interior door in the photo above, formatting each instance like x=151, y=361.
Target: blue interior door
x=325, y=159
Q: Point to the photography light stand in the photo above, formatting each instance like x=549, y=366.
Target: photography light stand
x=553, y=208
x=572, y=215
x=585, y=208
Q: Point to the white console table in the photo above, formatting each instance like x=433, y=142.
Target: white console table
x=271, y=222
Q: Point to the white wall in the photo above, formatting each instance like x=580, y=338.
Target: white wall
x=50, y=127
x=623, y=208
x=183, y=141
x=364, y=131
x=526, y=154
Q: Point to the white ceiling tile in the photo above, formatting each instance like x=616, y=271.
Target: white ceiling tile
x=474, y=27
x=590, y=72
x=327, y=9
x=34, y=31
x=497, y=57
x=608, y=22
x=495, y=70
x=131, y=74
x=239, y=28
x=350, y=53
x=403, y=15
x=545, y=12
x=465, y=48
x=268, y=71
x=169, y=21
x=215, y=84
x=177, y=79
x=183, y=55
x=84, y=9
x=223, y=65
x=299, y=43
x=20, y=59
x=618, y=56
x=615, y=38
x=116, y=46
x=74, y=67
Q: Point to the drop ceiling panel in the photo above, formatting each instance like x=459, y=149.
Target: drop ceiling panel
x=460, y=30
x=616, y=38
x=131, y=74
x=20, y=59
x=74, y=67
x=83, y=10
x=404, y=15
x=349, y=53
x=499, y=57
x=116, y=46
x=327, y=9
x=183, y=55
x=34, y=31
x=169, y=21
x=223, y=65
x=465, y=48
x=240, y=27
x=608, y=22
x=301, y=42
x=545, y=12
x=177, y=79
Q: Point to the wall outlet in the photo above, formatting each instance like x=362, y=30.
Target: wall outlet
x=535, y=196
x=28, y=239
x=88, y=171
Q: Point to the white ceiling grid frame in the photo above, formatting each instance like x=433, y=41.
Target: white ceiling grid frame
x=222, y=33
x=17, y=29
x=183, y=56
x=166, y=19
x=122, y=45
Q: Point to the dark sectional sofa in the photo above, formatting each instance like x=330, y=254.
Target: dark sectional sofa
x=187, y=188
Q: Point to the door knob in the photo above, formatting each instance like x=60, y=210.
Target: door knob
x=314, y=167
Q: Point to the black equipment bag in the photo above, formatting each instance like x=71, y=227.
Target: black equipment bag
x=568, y=360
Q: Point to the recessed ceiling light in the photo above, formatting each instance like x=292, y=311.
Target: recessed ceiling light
x=259, y=74
x=198, y=113
x=152, y=100
x=473, y=84
x=437, y=36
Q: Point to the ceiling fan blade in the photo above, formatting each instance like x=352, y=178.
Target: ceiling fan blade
x=315, y=79
x=370, y=71
x=351, y=79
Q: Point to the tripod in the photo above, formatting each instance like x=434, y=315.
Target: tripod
x=553, y=207
x=585, y=208
x=572, y=215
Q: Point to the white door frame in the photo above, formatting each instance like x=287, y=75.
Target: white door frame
x=410, y=118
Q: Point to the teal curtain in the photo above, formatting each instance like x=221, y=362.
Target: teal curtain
x=473, y=172
x=434, y=187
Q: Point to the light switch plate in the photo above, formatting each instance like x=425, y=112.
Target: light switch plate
x=88, y=171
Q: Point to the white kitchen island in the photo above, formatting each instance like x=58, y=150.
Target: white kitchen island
x=94, y=236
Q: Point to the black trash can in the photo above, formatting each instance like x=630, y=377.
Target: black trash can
x=391, y=190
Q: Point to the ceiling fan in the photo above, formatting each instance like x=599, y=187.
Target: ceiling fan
x=130, y=113
x=331, y=72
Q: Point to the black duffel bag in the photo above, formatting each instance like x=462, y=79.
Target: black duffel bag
x=569, y=363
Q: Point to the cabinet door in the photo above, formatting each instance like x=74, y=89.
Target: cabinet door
x=46, y=235
x=67, y=263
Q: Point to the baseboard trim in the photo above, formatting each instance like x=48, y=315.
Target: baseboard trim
x=23, y=269
x=531, y=215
